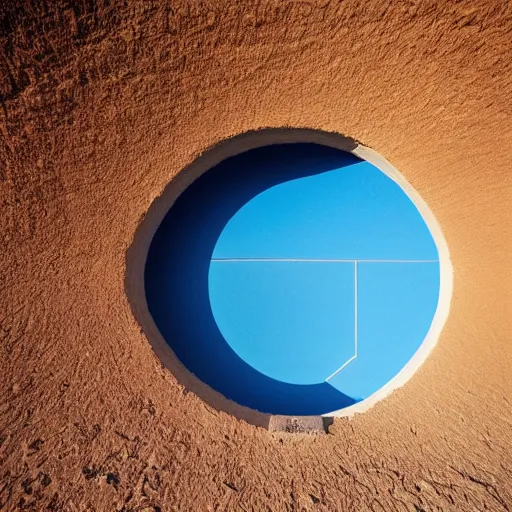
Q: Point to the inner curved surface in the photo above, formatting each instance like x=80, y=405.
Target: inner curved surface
x=241, y=221
x=176, y=277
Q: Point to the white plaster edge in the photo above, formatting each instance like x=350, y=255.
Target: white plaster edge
x=137, y=254
x=445, y=287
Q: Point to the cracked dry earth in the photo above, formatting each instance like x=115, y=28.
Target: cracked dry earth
x=102, y=104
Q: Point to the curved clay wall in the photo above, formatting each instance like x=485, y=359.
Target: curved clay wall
x=103, y=104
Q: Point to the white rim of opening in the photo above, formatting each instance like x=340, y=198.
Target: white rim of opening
x=239, y=144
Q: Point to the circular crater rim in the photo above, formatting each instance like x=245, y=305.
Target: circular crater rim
x=137, y=253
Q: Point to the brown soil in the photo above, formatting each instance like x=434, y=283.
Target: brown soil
x=103, y=103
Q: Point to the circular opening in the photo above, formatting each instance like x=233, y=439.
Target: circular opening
x=298, y=278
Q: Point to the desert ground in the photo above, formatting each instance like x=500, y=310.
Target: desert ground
x=103, y=104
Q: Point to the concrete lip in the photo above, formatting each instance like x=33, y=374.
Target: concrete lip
x=299, y=424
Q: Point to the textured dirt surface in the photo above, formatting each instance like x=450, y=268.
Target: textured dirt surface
x=102, y=104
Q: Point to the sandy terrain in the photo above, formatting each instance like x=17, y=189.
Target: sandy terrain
x=103, y=103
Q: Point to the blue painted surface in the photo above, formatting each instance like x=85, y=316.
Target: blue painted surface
x=268, y=334
x=396, y=305
x=353, y=212
x=293, y=322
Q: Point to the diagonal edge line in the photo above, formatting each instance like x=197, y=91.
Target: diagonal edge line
x=355, y=330
x=340, y=368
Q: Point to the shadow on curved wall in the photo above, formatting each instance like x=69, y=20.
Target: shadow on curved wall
x=176, y=276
